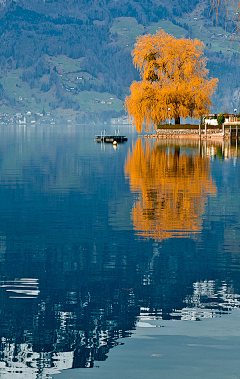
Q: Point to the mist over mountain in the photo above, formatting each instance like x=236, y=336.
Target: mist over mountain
x=72, y=59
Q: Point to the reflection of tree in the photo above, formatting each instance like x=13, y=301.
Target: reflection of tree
x=173, y=189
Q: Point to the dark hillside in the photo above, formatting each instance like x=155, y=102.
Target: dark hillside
x=72, y=59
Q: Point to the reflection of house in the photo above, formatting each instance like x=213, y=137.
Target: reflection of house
x=197, y=306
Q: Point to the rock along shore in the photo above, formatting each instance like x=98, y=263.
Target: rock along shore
x=189, y=133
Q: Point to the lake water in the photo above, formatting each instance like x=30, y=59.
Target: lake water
x=117, y=257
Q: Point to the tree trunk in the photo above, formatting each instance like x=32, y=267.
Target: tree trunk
x=177, y=120
x=177, y=152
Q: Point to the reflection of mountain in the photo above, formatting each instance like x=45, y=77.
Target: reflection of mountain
x=173, y=189
x=63, y=328
x=32, y=154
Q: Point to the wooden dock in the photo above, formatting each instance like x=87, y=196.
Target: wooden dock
x=110, y=138
x=234, y=128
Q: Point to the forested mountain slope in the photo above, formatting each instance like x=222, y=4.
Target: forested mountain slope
x=72, y=59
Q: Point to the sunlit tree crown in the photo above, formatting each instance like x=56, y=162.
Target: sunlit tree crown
x=174, y=80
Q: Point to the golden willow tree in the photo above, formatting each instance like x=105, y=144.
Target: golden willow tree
x=173, y=189
x=174, y=80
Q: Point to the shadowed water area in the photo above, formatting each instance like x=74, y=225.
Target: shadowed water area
x=99, y=242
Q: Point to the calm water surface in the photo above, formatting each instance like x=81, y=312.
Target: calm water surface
x=95, y=239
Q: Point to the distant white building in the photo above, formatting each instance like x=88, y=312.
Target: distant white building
x=212, y=122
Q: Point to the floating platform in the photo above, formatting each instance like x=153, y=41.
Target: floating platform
x=111, y=139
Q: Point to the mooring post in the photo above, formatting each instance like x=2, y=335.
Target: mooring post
x=200, y=130
x=223, y=129
x=206, y=130
x=230, y=131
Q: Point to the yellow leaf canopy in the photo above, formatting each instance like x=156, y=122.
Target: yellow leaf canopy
x=174, y=80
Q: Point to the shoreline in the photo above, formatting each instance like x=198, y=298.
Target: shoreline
x=190, y=133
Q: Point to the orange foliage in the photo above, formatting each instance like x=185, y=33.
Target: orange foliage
x=174, y=80
x=172, y=190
